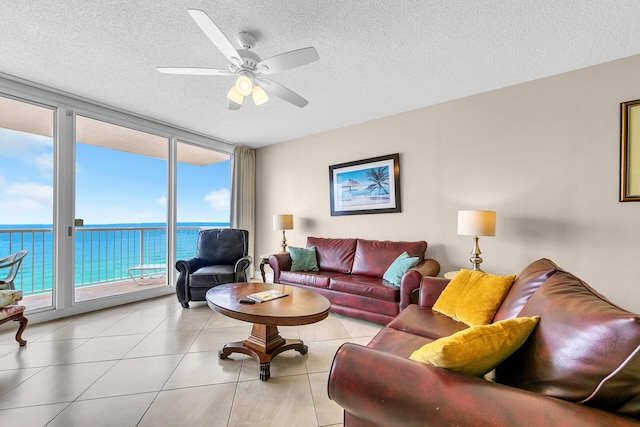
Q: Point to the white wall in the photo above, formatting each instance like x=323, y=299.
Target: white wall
x=544, y=155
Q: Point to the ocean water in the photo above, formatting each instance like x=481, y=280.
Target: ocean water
x=103, y=252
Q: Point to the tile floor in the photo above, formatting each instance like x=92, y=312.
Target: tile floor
x=152, y=363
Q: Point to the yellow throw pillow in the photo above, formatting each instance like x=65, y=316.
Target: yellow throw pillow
x=473, y=297
x=478, y=349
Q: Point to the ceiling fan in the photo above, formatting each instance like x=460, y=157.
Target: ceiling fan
x=248, y=66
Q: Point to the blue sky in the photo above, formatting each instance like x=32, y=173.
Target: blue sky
x=111, y=186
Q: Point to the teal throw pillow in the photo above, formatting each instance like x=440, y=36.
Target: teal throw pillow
x=398, y=267
x=303, y=259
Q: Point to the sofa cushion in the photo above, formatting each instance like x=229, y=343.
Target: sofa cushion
x=334, y=254
x=401, y=265
x=473, y=297
x=526, y=283
x=396, y=342
x=318, y=279
x=478, y=349
x=585, y=349
x=425, y=322
x=303, y=259
x=373, y=257
x=372, y=287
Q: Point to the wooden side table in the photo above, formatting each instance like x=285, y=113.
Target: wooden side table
x=264, y=259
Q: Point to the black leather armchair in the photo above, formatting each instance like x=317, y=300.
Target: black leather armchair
x=221, y=257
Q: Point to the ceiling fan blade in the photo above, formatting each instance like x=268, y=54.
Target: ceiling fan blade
x=288, y=60
x=194, y=71
x=273, y=88
x=234, y=105
x=214, y=33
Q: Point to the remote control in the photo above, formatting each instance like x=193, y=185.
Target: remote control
x=247, y=301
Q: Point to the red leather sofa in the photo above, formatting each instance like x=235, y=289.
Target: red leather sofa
x=351, y=273
x=579, y=367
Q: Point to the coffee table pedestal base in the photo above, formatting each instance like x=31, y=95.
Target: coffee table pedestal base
x=263, y=345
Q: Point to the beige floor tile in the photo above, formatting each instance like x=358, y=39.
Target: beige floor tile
x=101, y=348
x=132, y=325
x=32, y=416
x=359, y=327
x=207, y=406
x=330, y=328
x=327, y=411
x=321, y=355
x=55, y=384
x=40, y=354
x=186, y=320
x=215, y=339
x=218, y=320
x=87, y=328
x=107, y=412
x=204, y=368
x=158, y=344
x=130, y=376
x=12, y=377
x=281, y=401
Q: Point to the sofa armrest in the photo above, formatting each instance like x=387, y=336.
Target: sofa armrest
x=278, y=263
x=383, y=390
x=430, y=290
x=411, y=279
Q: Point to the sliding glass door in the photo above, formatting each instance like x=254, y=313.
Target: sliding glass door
x=26, y=196
x=120, y=209
x=203, y=194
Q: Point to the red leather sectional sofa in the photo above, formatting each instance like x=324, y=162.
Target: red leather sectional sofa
x=579, y=367
x=351, y=273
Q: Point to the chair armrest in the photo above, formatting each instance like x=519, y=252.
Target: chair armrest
x=411, y=279
x=241, y=266
x=430, y=289
x=278, y=263
x=387, y=391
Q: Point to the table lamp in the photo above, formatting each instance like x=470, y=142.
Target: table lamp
x=476, y=223
x=283, y=222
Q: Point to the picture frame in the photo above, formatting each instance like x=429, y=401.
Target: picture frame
x=630, y=151
x=368, y=186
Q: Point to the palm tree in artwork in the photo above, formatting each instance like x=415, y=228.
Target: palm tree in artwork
x=379, y=178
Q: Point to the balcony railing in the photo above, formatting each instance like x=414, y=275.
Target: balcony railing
x=102, y=254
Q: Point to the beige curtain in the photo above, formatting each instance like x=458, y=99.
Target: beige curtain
x=243, y=194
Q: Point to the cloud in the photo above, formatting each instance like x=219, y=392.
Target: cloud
x=219, y=200
x=162, y=200
x=38, y=192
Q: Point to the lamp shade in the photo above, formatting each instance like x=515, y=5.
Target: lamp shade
x=235, y=96
x=259, y=95
x=283, y=222
x=477, y=223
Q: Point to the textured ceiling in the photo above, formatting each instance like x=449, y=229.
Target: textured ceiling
x=377, y=57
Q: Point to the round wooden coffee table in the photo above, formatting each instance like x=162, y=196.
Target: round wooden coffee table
x=300, y=307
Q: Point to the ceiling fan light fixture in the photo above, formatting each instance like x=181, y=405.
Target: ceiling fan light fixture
x=235, y=96
x=259, y=95
x=243, y=85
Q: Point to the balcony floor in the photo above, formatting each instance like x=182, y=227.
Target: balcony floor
x=87, y=293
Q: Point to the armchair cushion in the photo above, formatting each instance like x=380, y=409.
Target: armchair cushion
x=478, y=349
x=303, y=259
x=212, y=275
x=473, y=297
x=9, y=296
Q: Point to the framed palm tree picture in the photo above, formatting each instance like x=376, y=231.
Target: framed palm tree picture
x=368, y=186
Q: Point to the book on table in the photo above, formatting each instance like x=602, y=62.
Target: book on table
x=267, y=295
